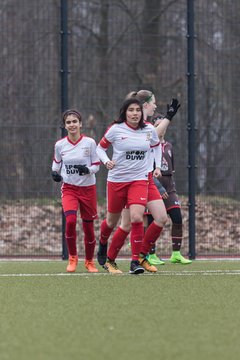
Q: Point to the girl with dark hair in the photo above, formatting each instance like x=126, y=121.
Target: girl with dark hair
x=123, y=110
x=75, y=164
x=127, y=183
x=155, y=203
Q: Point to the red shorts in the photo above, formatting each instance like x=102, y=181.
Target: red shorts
x=153, y=193
x=121, y=194
x=80, y=197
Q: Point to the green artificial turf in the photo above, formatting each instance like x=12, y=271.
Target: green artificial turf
x=183, y=312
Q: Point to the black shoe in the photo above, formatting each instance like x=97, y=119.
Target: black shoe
x=136, y=268
x=102, y=253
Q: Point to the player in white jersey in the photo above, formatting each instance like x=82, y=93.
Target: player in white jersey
x=131, y=139
x=155, y=203
x=75, y=164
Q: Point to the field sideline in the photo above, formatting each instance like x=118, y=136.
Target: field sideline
x=184, y=312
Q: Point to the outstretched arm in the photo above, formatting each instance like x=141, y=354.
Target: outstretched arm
x=172, y=109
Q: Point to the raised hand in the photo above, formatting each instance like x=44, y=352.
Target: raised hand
x=172, y=109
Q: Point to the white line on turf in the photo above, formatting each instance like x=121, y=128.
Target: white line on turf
x=160, y=273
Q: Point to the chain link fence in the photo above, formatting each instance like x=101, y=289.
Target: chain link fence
x=115, y=47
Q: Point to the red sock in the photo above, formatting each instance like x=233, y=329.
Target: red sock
x=70, y=234
x=117, y=242
x=136, y=237
x=152, y=234
x=89, y=239
x=105, y=232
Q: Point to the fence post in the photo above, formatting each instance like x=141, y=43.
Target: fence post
x=191, y=127
x=64, y=91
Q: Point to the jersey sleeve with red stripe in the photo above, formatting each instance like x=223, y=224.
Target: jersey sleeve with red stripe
x=57, y=158
x=104, y=144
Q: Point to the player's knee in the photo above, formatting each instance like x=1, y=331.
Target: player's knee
x=161, y=220
x=136, y=218
x=111, y=222
x=71, y=220
x=125, y=224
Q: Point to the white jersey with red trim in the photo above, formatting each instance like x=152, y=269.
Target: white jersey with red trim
x=131, y=148
x=68, y=154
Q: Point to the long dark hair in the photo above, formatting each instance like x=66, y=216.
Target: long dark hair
x=123, y=110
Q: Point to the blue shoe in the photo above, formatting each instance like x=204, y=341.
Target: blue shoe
x=136, y=268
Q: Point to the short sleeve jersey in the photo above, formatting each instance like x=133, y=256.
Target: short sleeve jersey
x=68, y=154
x=131, y=148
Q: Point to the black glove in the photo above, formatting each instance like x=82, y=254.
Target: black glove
x=172, y=109
x=56, y=177
x=82, y=169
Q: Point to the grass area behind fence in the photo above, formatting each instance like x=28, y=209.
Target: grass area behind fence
x=183, y=312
